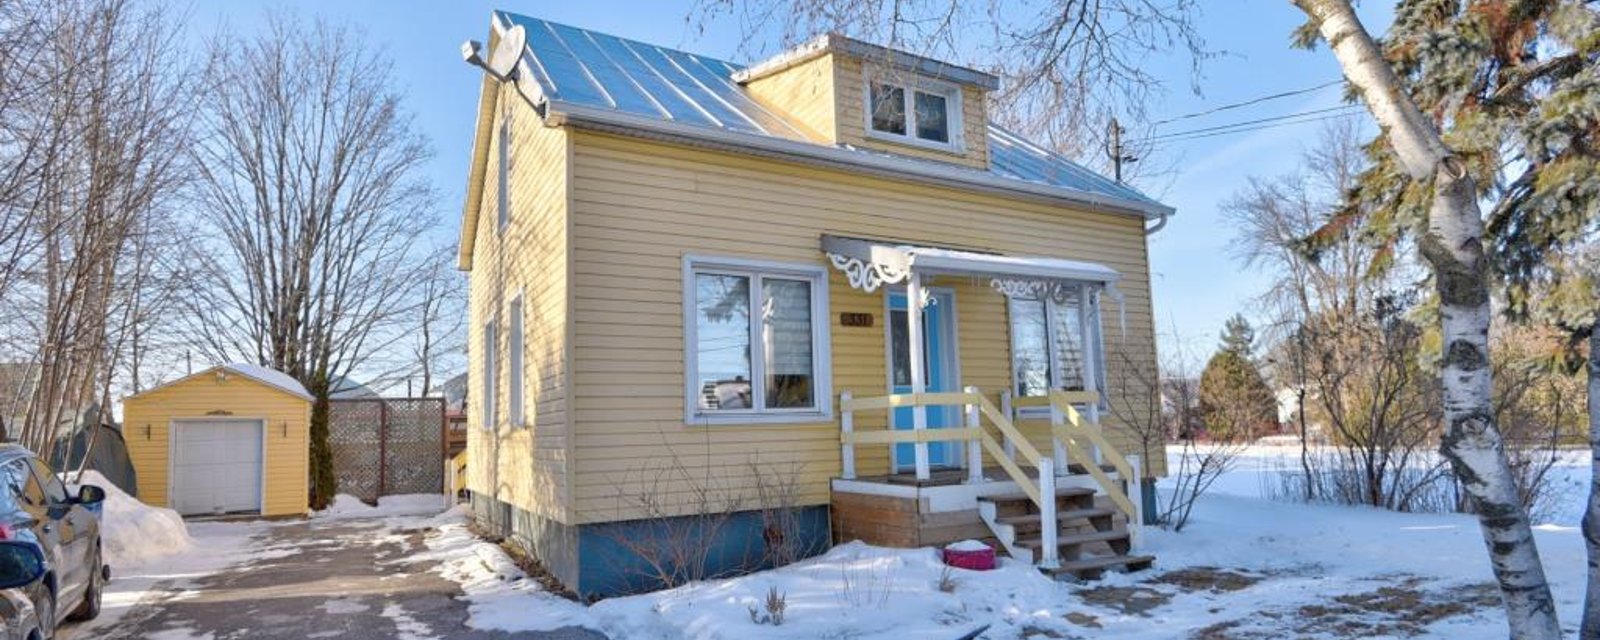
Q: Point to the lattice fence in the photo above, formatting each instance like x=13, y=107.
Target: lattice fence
x=388, y=446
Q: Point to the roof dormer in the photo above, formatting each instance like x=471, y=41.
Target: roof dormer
x=848, y=92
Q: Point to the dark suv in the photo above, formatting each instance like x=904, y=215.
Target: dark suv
x=35, y=508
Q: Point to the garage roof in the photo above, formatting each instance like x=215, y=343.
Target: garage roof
x=264, y=375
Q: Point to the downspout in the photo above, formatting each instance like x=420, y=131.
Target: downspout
x=1160, y=222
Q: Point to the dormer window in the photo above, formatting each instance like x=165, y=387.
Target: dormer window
x=923, y=113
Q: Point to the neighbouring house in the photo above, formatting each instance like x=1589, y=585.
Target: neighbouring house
x=233, y=439
x=825, y=286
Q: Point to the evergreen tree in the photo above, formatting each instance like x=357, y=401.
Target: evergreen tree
x=1239, y=337
x=1235, y=401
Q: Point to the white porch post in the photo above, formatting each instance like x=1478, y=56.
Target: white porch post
x=1059, y=450
x=1091, y=357
x=919, y=413
x=974, y=450
x=847, y=427
x=1010, y=414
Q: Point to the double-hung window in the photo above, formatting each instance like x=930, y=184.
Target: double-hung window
x=491, y=383
x=757, y=341
x=503, y=175
x=515, y=379
x=923, y=113
x=1056, y=344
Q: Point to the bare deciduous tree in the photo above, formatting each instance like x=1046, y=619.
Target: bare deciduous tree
x=93, y=145
x=1067, y=67
x=312, y=189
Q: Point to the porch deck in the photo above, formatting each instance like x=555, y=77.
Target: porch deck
x=1067, y=512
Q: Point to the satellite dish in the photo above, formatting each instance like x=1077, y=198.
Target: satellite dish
x=508, y=52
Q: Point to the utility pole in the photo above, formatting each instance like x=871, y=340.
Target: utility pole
x=1115, y=151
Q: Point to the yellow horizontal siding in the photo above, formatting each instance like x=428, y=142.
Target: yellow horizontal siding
x=638, y=207
x=804, y=93
x=147, y=427
x=525, y=466
x=850, y=75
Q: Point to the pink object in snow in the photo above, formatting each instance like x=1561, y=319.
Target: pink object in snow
x=979, y=557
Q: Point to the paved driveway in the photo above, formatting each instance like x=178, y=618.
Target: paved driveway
x=344, y=579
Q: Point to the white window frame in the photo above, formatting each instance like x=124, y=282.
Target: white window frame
x=491, y=383
x=821, y=358
x=503, y=175
x=1094, y=345
x=953, y=111
x=516, y=408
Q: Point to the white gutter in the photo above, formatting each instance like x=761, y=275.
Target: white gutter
x=558, y=113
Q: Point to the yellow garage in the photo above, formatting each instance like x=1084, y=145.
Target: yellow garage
x=229, y=440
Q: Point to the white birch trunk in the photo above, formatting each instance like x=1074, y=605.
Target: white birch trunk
x=1453, y=247
x=1591, y=517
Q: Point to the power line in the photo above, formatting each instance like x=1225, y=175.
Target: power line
x=1342, y=107
x=1246, y=103
x=1273, y=125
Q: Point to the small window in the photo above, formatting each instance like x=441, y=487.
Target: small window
x=923, y=114
x=933, y=121
x=514, y=409
x=757, y=344
x=1053, y=346
x=491, y=354
x=503, y=175
x=889, y=109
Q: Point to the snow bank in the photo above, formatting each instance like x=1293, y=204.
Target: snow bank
x=415, y=504
x=500, y=596
x=133, y=532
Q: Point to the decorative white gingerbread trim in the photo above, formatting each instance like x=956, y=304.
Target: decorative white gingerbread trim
x=867, y=276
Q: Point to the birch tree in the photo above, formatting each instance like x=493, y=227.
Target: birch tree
x=311, y=198
x=1452, y=244
x=98, y=134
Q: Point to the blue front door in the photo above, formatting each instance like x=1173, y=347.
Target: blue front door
x=938, y=332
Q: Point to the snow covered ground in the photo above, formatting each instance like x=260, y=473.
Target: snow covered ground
x=1246, y=567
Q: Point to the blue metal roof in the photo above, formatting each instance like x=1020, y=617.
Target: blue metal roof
x=597, y=70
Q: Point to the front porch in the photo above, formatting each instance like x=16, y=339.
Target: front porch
x=1007, y=490
x=1033, y=474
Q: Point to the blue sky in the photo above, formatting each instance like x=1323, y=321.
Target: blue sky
x=1197, y=282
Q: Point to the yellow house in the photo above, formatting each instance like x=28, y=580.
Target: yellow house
x=229, y=440
x=769, y=308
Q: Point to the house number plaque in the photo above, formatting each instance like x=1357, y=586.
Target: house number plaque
x=855, y=319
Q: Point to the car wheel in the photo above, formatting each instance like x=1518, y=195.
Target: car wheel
x=90, y=608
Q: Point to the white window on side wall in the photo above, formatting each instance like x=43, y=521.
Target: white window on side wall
x=516, y=377
x=1056, y=344
x=503, y=175
x=490, y=384
x=921, y=112
x=756, y=342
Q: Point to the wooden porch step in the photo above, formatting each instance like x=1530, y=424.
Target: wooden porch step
x=1061, y=492
x=1061, y=516
x=1090, y=568
x=1035, y=542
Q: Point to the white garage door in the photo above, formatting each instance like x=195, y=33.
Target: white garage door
x=216, y=466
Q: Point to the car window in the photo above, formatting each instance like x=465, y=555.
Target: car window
x=20, y=484
x=53, y=489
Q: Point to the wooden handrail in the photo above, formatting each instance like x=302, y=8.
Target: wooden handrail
x=1041, y=490
x=1076, y=427
x=897, y=400
x=1093, y=432
x=909, y=436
